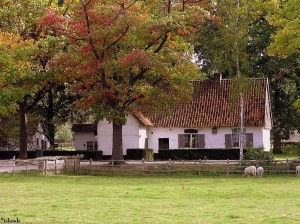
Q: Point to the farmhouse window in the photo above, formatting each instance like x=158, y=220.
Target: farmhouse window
x=232, y=140
x=191, y=140
x=91, y=145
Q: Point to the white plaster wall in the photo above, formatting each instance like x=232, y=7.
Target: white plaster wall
x=131, y=135
x=142, y=137
x=40, y=136
x=266, y=139
x=81, y=138
x=211, y=140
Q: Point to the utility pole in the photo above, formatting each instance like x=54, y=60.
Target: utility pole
x=241, y=133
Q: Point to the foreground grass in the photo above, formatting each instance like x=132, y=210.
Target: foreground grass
x=150, y=199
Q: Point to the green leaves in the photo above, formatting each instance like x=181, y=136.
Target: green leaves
x=285, y=17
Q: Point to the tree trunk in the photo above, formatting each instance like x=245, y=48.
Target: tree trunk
x=277, y=143
x=50, y=116
x=117, y=149
x=23, y=131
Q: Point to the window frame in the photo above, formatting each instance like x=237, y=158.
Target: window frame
x=191, y=139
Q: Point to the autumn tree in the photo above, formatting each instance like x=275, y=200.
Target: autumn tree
x=127, y=55
x=25, y=75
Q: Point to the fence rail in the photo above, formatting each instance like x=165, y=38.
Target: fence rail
x=75, y=165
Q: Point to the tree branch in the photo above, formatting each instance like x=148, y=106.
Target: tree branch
x=161, y=44
x=119, y=38
x=38, y=96
x=89, y=28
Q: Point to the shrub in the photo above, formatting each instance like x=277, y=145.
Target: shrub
x=291, y=148
x=148, y=154
x=257, y=154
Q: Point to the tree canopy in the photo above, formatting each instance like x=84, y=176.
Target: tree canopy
x=126, y=53
x=25, y=53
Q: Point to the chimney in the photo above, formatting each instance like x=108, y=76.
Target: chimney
x=217, y=76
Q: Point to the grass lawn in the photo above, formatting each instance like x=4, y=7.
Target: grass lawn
x=187, y=199
x=286, y=156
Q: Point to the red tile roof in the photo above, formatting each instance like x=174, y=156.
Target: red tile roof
x=212, y=105
x=141, y=118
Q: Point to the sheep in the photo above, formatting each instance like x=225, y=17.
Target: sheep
x=298, y=171
x=250, y=170
x=260, y=171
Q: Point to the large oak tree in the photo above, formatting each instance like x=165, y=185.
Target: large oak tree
x=129, y=55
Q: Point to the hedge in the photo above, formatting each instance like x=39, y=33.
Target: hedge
x=186, y=154
x=195, y=154
x=94, y=155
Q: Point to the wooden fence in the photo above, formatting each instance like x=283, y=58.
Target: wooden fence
x=45, y=165
x=75, y=165
x=198, y=167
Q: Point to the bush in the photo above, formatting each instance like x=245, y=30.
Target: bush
x=257, y=154
x=148, y=154
x=291, y=148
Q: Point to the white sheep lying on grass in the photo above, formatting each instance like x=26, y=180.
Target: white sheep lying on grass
x=298, y=171
x=260, y=171
x=250, y=170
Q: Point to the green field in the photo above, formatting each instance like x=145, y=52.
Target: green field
x=150, y=199
x=286, y=156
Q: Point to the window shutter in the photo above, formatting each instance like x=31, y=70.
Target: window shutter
x=201, y=141
x=249, y=139
x=228, y=141
x=181, y=140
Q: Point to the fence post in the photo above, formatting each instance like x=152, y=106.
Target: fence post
x=26, y=164
x=169, y=167
x=46, y=161
x=55, y=165
x=65, y=165
x=227, y=167
x=90, y=166
x=78, y=163
x=112, y=167
x=200, y=163
x=287, y=167
x=143, y=167
x=74, y=166
x=14, y=164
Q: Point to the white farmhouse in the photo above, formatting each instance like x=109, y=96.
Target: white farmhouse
x=40, y=139
x=85, y=136
x=211, y=120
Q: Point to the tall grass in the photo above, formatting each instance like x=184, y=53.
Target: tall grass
x=150, y=199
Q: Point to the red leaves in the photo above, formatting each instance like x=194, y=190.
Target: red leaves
x=135, y=58
x=215, y=19
x=52, y=20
